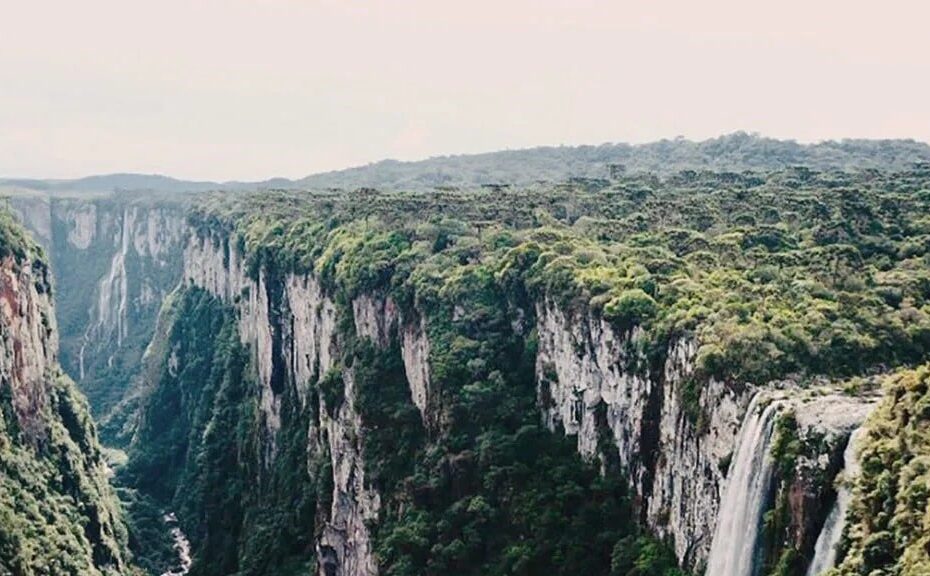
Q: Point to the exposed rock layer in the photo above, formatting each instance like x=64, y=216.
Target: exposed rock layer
x=676, y=455
x=114, y=261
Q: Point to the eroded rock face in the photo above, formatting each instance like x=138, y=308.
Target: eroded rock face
x=292, y=332
x=28, y=343
x=375, y=318
x=345, y=539
x=114, y=261
x=291, y=328
x=676, y=456
x=81, y=223
x=826, y=422
x=674, y=467
x=54, y=473
x=694, y=456
x=415, y=350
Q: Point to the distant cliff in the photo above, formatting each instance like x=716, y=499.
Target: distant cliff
x=114, y=260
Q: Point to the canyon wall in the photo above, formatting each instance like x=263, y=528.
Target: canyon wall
x=290, y=326
x=58, y=513
x=114, y=260
x=677, y=451
x=595, y=382
x=674, y=442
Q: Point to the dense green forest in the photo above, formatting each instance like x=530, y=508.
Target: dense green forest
x=790, y=273
x=734, y=152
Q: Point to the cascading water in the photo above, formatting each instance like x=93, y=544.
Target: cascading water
x=734, y=550
x=829, y=538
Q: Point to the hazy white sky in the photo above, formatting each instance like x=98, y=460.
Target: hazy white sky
x=247, y=89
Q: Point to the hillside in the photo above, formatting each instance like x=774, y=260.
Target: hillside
x=735, y=152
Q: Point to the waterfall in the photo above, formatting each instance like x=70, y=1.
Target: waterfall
x=829, y=538
x=733, y=551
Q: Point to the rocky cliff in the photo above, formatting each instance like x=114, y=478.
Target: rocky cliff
x=290, y=324
x=58, y=513
x=594, y=379
x=677, y=450
x=114, y=260
x=339, y=387
x=595, y=384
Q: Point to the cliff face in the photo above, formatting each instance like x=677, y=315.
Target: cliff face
x=596, y=381
x=58, y=514
x=29, y=342
x=114, y=261
x=486, y=387
x=595, y=384
x=290, y=325
x=676, y=468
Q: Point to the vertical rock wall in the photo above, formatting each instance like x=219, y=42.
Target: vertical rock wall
x=293, y=336
x=675, y=454
x=673, y=466
x=28, y=344
x=114, y=262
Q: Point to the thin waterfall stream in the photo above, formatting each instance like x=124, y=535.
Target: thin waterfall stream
x=829, y=538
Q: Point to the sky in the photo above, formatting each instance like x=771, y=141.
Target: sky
x=248, y=89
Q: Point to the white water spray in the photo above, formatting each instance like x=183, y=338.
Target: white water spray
x=734, y=548
x=825, y=548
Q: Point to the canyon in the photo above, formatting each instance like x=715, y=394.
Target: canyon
x=252, y=395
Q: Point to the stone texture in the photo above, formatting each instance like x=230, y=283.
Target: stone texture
x=28, y=344
x=676, y=466
x=305, y=321
x=672, y=466
x=415, y=350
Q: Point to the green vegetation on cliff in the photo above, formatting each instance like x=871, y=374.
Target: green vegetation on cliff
x=198, y=450
x=14, y=240
x=493, y=497
x=793, y=272
x=888, y=533
x=787, y=274
x=57, y=512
